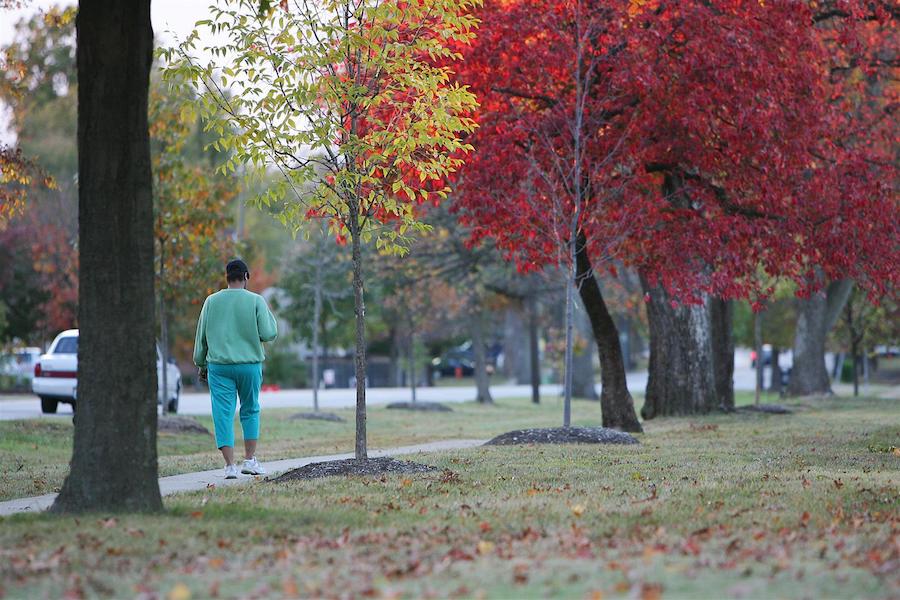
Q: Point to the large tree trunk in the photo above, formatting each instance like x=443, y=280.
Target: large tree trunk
x=721, y=318
x=114, y=463
x=616, y=403
x=482, y=380
x=359, y=308
x=815, y=318
x=583, y=384
x=681, y=377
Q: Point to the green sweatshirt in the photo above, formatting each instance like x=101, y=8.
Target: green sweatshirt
x=233, y=324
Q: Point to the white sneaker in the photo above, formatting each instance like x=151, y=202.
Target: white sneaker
x=231, y=471
x=252, y=467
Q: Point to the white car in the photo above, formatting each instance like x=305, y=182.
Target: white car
x=55, y=375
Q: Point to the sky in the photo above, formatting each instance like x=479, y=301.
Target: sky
x=171, y=19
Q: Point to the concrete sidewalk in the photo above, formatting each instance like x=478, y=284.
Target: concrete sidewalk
x=188, y=482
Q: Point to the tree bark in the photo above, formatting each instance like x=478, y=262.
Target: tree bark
x=359, y=308
x=721, y=317
x=412, y=362
x=681, y=374
x=758, y=348
x=114, y=461
x=616, y=403
x=534, y=351
x=394, y=377
x=583, y=384
x=482, y=380
x=317, y=319
x=815, y=318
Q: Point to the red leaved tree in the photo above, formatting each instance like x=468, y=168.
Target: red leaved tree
x=700, y=168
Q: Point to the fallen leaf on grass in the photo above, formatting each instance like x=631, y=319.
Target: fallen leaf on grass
x=651, y=591
x=485, y=526
x=577, y=510
x=289, y=588
x=804, y=518
x=108, y=523
x=485, y=547
x=520, y=574
x=179, y=592
x=838, y=483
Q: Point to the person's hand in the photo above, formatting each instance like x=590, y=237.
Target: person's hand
x=202, y=374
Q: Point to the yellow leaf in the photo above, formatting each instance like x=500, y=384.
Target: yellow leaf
x=485, y=547
x=578, y=510
x=179, y=592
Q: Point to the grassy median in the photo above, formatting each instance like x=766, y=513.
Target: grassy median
x=747, y=505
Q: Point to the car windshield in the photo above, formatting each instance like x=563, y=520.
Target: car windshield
x=67, y=345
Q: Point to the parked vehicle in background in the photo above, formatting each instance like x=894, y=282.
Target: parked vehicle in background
x=55, y=375
x=18, y=366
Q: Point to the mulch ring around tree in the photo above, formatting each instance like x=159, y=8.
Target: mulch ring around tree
x=351, y=466
x=179, y=424
x=563, y=435
x=771, y=409
x=319, y=416
x=423, y=406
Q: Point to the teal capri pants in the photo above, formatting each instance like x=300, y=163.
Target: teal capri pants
x=226, y=381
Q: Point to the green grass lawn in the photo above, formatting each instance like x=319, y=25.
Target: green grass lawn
x=38, y=451
x=805, y=505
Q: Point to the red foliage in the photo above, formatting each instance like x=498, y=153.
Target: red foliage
x=715, y=139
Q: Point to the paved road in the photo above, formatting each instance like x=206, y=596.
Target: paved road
x=28, y=407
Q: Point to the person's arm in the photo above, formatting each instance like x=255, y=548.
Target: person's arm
x=200, y=346
x=265, y=321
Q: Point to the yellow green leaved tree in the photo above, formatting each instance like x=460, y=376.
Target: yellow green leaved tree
x=354, y=104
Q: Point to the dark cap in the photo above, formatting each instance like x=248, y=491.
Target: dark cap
x=236, y=269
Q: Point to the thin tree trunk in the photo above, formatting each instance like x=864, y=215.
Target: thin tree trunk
x=775, y=381
x=482, y=380
x=317, y=319
x=114, y=461
x=757, y=344
x=164, y=329
x=721, y=318
x=616, y=403
x=681, y=374
x=359, y=307
x=412, y=361
x=534, y=351
x=394, y=358
x=570, y=333
x=815, y=318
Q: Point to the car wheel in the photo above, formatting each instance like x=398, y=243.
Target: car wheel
x=173, y=403
x=49, y=405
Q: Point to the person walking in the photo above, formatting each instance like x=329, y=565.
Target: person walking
x=228, y=352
